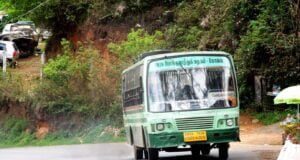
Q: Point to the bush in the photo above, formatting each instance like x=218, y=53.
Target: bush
x=271, y=117
x=137, y=42
x=181, y=38
x=269, y=46
x=78, y=82
x=13, y=131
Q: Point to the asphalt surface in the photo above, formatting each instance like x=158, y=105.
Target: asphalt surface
x=122, y=151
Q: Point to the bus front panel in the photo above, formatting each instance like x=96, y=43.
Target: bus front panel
x=191, y=99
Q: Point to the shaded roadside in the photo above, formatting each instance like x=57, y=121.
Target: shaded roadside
x=253, y=132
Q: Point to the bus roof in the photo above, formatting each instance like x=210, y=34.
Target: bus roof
x=218, y=53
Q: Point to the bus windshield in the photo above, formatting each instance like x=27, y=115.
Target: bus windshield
x=190, y=83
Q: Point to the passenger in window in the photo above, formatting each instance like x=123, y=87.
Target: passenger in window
x=186, y=93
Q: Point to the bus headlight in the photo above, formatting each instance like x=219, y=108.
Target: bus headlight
x=229, y=122
x=160, y=126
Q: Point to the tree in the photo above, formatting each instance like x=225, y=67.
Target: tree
x=137, y=42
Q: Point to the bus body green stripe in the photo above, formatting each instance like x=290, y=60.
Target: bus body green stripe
x=165, y=140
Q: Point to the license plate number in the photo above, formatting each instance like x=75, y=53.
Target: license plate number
x=195, y=136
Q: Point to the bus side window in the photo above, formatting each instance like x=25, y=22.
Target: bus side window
x=133, y=88
x=123, y=91
x=133, y=97
x=141, y=91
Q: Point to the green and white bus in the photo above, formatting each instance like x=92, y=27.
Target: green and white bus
x=179, y=101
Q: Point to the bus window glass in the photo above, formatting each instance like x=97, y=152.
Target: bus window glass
x=190, y=83
x=132, y=88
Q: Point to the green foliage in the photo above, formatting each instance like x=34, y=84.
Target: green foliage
x=262, y=36
x=143, y=5
x=269, y=47
x=79, y=82
x=268, y=118
x=191, y=13
x=183, y=38
x=58, y=70
x=101, y=132
x=115, y=112
x=137, y=42
x=14, y=126
x=12, y=87
x=64, y=67
x=13, y=131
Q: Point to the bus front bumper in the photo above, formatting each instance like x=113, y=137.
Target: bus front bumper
x=165, y=140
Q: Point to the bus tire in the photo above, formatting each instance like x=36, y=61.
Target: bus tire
x=205, y=149
x=223, y=151
x=145, y=153
x=131, y=136
x=152, y=154
x=138, y=153
x=195, y=151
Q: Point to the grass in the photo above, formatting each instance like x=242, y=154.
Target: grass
x=271, y=117
x=14, y=133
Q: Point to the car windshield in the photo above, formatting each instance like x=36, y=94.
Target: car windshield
x=21, y=27
x=190, y=83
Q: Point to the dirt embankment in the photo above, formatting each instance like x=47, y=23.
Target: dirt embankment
x=253, y=132
x=100, y=31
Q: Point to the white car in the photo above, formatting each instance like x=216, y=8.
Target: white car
x=7, y=28
x=25, y=28
x=12, y=52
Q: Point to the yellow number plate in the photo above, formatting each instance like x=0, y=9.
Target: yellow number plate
x=195, y=136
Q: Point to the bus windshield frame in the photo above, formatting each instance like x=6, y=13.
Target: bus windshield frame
x=187, y=64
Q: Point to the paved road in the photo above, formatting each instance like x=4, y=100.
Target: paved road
x=121, y=151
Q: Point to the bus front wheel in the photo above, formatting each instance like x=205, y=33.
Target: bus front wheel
x=195, y=151
x=205, y=149
x=146, y=153
x=223, y=151
x=152, y=154
x=138, y=153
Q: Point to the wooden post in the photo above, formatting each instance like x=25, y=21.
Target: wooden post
x=4, y=62
x=42, y=64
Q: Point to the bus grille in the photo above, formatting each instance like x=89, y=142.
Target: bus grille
x=194, y=123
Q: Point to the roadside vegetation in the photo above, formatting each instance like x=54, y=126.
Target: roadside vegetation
x=268, y=118
x=16, y=132
x=79, y=95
